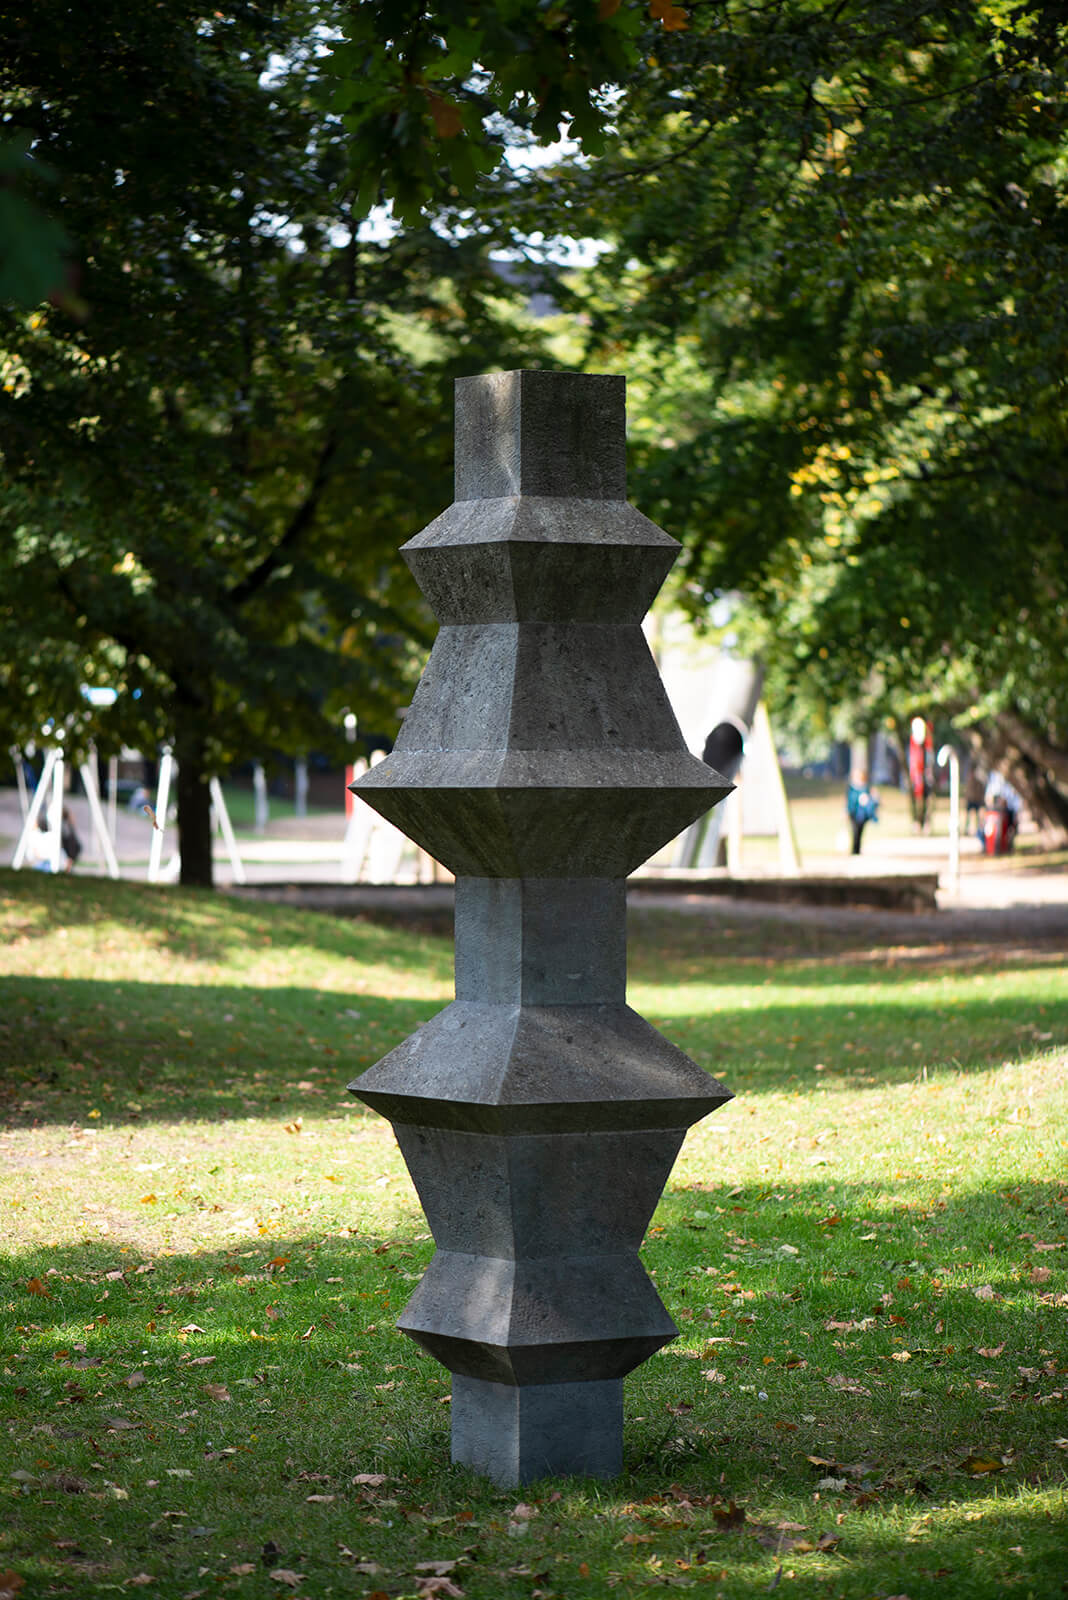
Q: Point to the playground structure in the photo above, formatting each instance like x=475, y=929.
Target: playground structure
x=47, y=801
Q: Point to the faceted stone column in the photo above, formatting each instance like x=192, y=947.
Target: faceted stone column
x=541, y=762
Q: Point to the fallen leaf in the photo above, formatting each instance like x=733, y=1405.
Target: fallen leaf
x=1039, y=1275
x=135, y=1380
x=846, y=1385
x=37, y=1286
x=191, y=1327
x=217, y=1391
x=978, y=1466
x=140, y=1579
x=295, y=1126
x=523, y=1513
x=440, y=1569
x=430, y=1587
x=984, y=1292
x=284, y=1575
x=243, y=1569
x=10, y=1584
x=320, y=1499
x=996, y=1351
x=373, y=1480
x=731, y=1515
x=200, y=1361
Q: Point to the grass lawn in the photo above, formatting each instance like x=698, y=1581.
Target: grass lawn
x=206, y=1243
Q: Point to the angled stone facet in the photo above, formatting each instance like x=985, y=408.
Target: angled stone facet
x=538, y=1114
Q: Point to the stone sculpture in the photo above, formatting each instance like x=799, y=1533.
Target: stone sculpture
x=541, y=763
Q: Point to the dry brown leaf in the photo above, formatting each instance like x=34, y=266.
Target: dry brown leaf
x=37, y=1286
x=373, y=1480
x=134, y=1381
x=991, y=1353
x=439, y=1569
x=243, y=1569
x=217, y=1391
x=284, y=1575
x=731, y=1515
x=1039, y=1275
x=984, y=1292
x=320, y=1499
x=200, y=1361
x=430, y=1587
x=140, y=1579
x=191, y=1327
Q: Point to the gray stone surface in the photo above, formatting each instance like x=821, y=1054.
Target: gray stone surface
x=517, y=1434
x=539, y=1116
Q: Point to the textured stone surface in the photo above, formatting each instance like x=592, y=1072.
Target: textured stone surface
x=514, y=1435
x=539, y=1116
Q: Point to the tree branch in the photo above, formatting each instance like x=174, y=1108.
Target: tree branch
x=296, y=527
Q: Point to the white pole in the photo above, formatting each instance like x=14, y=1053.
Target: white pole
x=261, y=807
x=35, y=807
x=223, y=818
x=948, y=754
x=55, y=813
x=357, y=832
x=733, y=807
x=300, y=787
x=163, y=791
x=100, y=830
x=20, y=779
x=113, y=799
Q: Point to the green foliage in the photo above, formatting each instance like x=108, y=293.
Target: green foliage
x=211, y=468
x=31, y=242
x=432, y=95
x=839, y=243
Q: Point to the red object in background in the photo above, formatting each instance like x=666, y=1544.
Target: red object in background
x=350, y=798
x=921, y=756
x=999, y=830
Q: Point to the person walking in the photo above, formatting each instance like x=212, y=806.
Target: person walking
x=862, y=806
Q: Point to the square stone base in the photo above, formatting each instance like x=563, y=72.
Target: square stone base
x=515, y=1435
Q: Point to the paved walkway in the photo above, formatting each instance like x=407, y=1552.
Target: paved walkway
x=300, y=859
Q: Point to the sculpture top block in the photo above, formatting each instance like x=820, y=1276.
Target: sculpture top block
x=541, y=433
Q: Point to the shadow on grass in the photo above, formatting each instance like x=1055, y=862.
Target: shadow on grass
x=198, y=1412
x=134, y=1052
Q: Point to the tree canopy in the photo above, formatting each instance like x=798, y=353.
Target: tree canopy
x=839, y=235
x=834, y=244
x=209, y=469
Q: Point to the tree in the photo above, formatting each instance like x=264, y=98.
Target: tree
x=840, y=234
x=210, y=466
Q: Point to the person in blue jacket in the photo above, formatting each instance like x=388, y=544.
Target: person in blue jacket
x=862, y=806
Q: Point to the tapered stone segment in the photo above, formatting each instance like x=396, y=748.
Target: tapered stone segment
x=538, y=1114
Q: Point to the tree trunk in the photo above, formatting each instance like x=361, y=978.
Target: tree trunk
x=1032, y=765
x=194, y=797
